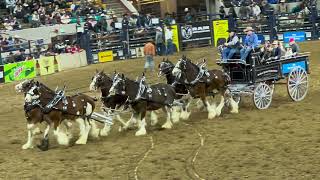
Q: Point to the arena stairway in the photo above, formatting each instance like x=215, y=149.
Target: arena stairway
x=120, y=7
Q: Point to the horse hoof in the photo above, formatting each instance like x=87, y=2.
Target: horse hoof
x=27, y=146
x=234, y=111
x=141, y=133
x=43, y=148
x=80, y=142
x=185, y=115
x=167, y=126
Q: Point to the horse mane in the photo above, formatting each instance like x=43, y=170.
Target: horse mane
x=46, y=88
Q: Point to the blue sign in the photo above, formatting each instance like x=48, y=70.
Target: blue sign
x=298, y=36
x=286, y=68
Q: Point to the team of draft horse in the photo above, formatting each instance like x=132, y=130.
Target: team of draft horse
x=185, y=81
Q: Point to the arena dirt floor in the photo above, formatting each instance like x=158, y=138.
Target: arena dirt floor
x=282, y=142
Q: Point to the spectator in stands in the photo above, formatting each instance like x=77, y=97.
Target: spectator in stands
x=232, y=12
x=255, y=10
x=168, y=19
x=159, y=41
x=10, y=58
x=294, y=46
x=244, y=12
x=283, y=49
x=276, y=50
x=65, y=19
x=283, y=7
x=149, y=52
x=231, y=46
x=35, y=19
x=222, y=12
x=266, y=8
x=251, y=42
x=266, y=51
x=188, y=18
x=18, y=11
x=169, y=40
x=20, y=56
x=10, y=5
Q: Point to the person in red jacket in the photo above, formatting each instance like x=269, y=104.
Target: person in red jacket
x=149, y=52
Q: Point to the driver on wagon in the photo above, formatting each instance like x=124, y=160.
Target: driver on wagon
x=251, y=42
x=231, y=46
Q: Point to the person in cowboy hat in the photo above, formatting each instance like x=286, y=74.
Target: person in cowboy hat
x=251, y=42
x=231, y=46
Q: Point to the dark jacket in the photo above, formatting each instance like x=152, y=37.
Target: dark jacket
x=233, y=42
x=276, y=53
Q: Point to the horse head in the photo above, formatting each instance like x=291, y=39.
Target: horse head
x=32, y=93
x=98, y=80
x=24, y=86
x=165, y=67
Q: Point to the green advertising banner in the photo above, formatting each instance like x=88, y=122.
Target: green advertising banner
x=20, y=70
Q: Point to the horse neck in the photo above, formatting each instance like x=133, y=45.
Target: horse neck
x=170, y=78
x=46, y=94
x=132, y=88
x=106, y=87
x=191, y=71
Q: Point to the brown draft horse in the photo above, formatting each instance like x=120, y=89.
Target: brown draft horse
x=143, y=98
x=200, y=84
x=44, y=104
x=103, y=82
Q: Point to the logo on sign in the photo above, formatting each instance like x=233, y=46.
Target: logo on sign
x=187, y=32
x=18, y=71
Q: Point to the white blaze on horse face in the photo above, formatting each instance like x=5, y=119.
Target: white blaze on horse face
x=176, y=70
x=30, y=96
x=93, y=86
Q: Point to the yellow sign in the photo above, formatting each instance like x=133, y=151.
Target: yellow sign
x=45, y=65
x=220, y=28
x=175, y=36
x=105, y=56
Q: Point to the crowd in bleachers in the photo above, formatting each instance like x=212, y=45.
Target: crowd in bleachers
x=257, y=8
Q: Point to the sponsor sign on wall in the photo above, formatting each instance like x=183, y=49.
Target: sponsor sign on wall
x=199, y=31
x=45, y=65
x=19, y=71
x=1, y=74
x=220, y=28
x=286, y=68
x=298, y=36
x=105, y=56
x=175, y=36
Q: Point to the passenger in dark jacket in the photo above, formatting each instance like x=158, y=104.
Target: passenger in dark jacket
x=276, y=51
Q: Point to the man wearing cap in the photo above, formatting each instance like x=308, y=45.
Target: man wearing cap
x=231, y=45
x=294, y=46
x=159, y=40
x=251, y=42
x=149, y=51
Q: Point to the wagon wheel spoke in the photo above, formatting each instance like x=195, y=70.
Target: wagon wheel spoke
x=297, y=84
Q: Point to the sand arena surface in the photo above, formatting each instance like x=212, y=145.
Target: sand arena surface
x=282, y=142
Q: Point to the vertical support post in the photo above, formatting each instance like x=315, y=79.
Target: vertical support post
x=313, y=19
x=1, y=61
x=272, y=22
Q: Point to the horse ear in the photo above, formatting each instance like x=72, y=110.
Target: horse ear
x=204, y=60
x=102, y=71
x=163, y=59
x=143, y=74
x=37, y=83
x=122, y=75
x=167, y=59
x=97, y=71
x=115, y=72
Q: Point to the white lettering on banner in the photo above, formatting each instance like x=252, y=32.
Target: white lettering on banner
x=269, y=71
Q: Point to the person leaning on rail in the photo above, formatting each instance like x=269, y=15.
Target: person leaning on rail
x=231, y=46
